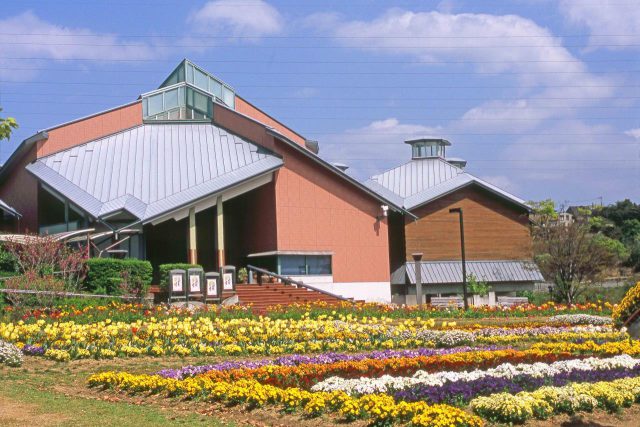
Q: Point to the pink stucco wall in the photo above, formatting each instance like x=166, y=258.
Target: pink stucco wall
x=91, y=128
x=316, y=210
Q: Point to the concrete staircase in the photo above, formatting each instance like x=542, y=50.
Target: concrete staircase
x=262, y=296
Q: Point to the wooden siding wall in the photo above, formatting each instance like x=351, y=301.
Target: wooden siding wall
x=493, y=228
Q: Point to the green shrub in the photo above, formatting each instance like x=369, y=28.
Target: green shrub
x=105, y=275
x=164, y=269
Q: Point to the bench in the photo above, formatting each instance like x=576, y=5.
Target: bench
x=512, y=301
x=446, y=302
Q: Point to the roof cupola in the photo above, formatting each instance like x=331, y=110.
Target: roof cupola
x=426, y=148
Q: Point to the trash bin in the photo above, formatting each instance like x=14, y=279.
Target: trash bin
x=195, y=279
x=213, y=291
x=177, y=285
x=228, y=273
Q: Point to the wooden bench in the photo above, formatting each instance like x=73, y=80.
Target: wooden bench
x=511, y=301
x=446, y=301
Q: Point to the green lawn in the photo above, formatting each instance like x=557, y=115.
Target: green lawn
x=49, y=394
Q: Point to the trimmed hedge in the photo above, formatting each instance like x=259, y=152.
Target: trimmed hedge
x=164, y=269
x=104, y=275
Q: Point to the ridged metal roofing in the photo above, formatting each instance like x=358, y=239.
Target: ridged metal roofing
x=153, y=169
x=8, y=209
x=422, y=180
x=436, y=272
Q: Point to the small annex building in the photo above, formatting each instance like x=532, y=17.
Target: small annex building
x=496, y=226
x=193, y=172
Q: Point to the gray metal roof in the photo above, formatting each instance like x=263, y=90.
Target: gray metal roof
x=8, y=209
x=422, y=180
x=437, y=272
x=153, y=169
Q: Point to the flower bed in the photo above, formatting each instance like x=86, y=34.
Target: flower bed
x=424, y=383
x=546, y=401
x=206, y=336
x=628, y=306
x=10, y=355
x=580, y=319
x=300, y=359
x=379, y=409
x=552, y=368
x=90, y=311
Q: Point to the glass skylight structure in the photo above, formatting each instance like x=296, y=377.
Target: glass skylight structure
x=187, y=94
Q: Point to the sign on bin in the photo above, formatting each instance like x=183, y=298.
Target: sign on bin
x=194, y=283
x=227, y=281
x=177, y=284
x=212, y=287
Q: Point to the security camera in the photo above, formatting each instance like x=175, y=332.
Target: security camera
x=385, y=210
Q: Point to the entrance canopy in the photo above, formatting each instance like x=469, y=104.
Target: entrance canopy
x=152, y=170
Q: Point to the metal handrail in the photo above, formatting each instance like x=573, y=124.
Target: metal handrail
x=288, y=280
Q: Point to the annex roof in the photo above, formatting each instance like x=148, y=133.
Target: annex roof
x=441, y=272
x=8, y=209
x=422, y=180
x=153, y=169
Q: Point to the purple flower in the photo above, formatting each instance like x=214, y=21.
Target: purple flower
x=33, y=350
x=323, y=359
x=461, y=392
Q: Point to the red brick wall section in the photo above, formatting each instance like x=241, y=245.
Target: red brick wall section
x=318, y=211
x=20, y=191
x=245, y=108
x=91, y=128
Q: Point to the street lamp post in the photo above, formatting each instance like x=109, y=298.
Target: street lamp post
x=464, y=264
x=417, y=258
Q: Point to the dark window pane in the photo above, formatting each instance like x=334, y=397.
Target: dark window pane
x=319, y=264
x=292, y=265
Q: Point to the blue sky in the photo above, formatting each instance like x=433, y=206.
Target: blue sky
x=541, y=97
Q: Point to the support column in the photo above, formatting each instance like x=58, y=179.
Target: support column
x=220, y=232
x=193, y=248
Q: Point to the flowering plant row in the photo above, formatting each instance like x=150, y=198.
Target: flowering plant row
x=306, y=375
x=628, y=306
x=461, y=393
x=206, y=336
x=316, y=309
x=10, y=355
x=580, y=319
x=507, y=371
x=546, y=401
x=379, y=409
x=300, y=359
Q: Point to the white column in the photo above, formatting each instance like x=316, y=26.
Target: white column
x=193, y=248
x=220, y=232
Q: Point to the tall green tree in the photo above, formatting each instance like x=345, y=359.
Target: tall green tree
x=7, y=126
x=570, y=255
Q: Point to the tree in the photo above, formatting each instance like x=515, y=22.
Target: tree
x=571, y=256
x=7, y=126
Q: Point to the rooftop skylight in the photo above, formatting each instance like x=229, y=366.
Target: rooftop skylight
x=187, y=94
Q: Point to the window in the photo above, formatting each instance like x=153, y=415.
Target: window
x=304, y=265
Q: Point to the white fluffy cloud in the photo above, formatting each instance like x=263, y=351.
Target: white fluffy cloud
x=509, y=44
x=372, y=148
x=620, y=22
x=634, y=133
x=228, y=17
x=27, y=35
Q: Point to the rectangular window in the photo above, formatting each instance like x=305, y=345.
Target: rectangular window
x=201, y=80
x=154, y=104
x=304, y=265
x=171, y=99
